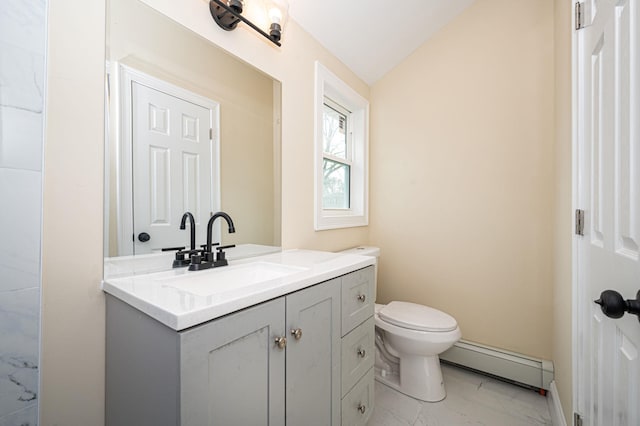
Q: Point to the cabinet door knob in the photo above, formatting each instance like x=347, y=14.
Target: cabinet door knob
x=297, y=333
x=362, y=297
x=281, y=342
x=362, y=353
x=362, y=408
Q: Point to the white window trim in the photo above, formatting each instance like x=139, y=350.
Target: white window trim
x=329, y=85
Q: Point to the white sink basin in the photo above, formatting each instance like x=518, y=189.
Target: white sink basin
x=229, y=278
x=180, y=299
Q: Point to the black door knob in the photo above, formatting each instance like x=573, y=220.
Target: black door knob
x=143, y=237
x=614, y=306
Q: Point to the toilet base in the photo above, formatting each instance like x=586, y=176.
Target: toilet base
x=426, y=386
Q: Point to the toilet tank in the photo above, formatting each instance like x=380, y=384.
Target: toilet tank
x=367, y=251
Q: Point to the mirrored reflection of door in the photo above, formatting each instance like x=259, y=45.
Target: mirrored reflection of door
x=173, y=157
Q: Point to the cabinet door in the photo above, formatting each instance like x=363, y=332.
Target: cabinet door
x=232, y=371
x=313, y=359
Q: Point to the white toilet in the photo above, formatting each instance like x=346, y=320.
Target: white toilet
x=409, y=338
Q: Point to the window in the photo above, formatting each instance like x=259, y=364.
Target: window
x=341, y=142
x=336, y=156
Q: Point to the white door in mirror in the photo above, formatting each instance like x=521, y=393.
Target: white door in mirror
x=173, y=154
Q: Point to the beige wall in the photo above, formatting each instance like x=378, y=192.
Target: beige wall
x=146, y=40
x=563, y=218
x=73, y=334
x=462, y=182
x=72, y=339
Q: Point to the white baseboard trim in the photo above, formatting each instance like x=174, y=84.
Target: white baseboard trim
x=555, y=407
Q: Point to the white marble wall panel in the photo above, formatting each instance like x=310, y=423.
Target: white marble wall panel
x=19, y=334
x=21, y=74
x=26, y=417
x=22, y=70
x=21, y=88
x=20, y=139
x=20, y=216
x=22, y=23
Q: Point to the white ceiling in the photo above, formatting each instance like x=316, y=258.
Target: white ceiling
x=373, y=36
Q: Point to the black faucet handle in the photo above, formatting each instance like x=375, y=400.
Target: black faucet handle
x=221, y=259
x=180, y=260
x=172, y=248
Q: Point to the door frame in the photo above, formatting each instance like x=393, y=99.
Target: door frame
x=125, y=77
x=575, y=96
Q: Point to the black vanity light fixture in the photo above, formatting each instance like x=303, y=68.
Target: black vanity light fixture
x=228, y=14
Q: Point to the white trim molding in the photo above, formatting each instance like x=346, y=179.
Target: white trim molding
x=555, y=406
x=329, y=85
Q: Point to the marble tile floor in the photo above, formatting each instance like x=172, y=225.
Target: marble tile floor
x=472, y=399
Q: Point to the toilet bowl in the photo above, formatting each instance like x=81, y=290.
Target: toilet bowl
x=409, y=338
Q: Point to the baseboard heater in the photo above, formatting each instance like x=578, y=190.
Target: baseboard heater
x=525, y=370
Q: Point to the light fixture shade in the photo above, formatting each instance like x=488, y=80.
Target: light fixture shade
x=277, y=14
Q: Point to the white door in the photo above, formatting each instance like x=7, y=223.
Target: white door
x=608, y=190
x=174, y=164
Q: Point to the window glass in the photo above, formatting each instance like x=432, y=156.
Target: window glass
x=334, y=132
x=335, y=185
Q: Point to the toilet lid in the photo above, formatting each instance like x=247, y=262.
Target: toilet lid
x=417, y=317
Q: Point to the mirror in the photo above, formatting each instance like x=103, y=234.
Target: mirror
x=241, y=170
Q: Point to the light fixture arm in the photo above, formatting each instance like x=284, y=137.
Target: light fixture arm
x=228, y=19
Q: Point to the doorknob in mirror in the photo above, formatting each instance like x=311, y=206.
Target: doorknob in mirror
x=143, y=237
x=614, y=306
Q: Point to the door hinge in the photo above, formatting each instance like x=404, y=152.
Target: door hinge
x=210, y=134
x=577, y=420
x=579, y=16
x=579, y=222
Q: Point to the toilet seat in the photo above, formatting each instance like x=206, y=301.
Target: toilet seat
x=416, y=317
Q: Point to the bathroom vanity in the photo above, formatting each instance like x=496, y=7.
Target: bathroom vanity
x=286, y=338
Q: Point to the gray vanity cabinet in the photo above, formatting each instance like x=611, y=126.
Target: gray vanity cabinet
x=229, y=371
x=238, y=370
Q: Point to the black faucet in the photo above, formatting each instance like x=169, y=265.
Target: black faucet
x=206, y=260
x=180, y=259
x=192, y=224
x=213, y=218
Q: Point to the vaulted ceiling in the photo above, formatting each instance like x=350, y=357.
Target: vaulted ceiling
x=373, y=36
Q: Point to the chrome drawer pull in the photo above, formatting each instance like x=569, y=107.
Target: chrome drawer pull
x=362, y=408
x=362, y=353
x=297, y=333
x=362, y=297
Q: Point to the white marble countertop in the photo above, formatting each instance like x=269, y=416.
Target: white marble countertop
x=181, y=299
x=124, y=266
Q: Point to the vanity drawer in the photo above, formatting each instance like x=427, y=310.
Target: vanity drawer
x=357, y=405
x=358, y=354
x=357, y=298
